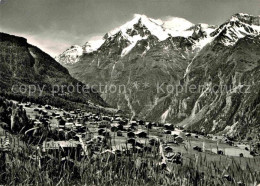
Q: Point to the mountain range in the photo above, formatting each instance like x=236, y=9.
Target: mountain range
x=146, y=55
x=203, y=77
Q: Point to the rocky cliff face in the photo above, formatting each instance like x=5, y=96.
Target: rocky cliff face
x=226, y=97
x=156, y=65
x=24, y=64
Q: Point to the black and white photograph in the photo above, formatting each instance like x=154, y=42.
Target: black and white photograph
x=130, y=92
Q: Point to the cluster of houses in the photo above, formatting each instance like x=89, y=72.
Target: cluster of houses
x=84, y=132
x=80, y=132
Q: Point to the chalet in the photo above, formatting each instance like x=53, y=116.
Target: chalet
x=109, y=152
x=90, y=142
x=69, y=148
x=47, y=107
x=36, y=110
x=141, y=134
x=231, y=143
x=129, y=128
x=60, y=130
x=168, y=126
x=77, y=137
x=50, y=145
x=70, y=119
x=80, y=119
x=72, y=112
x=107, y=118
x=116, y=126
x=220, y=152
x=81, y=129
x=69, y=125
x=100, y=131
x=131, y=141
x=130, y=134
x=124, y=122
x=78, y=125
x=168, y=149
x=55, y=114
x=44, y=112
x=227, y=177
x=133, y=123
x=197, y=148
x=58, y=117
x=141, y=122
x=181, y=128
x=5, y=143
x=37, y=123
x=154, y=124
x=91, y=123
x=62, y=122
x=138, y=144
x=167, y=132
x=253, y=153
x=148, y=125
x=87, y=114
x=104, y=124
x=117, y=119
x=47, y=117
x=97, y=118
x=118, y=152
x=28, y=105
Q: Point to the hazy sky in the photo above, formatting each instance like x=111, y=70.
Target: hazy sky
x=54, y=25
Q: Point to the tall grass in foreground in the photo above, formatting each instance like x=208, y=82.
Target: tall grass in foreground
x=127, y=169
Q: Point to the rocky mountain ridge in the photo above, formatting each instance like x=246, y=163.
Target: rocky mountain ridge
x=143, y=55
x=24, y=65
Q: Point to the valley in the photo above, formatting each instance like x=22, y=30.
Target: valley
x=149, y=101
x=114, y=137
x=216, y=62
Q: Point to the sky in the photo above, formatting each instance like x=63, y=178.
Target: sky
x=55, y=25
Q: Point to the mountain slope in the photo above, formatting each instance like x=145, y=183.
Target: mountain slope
x=24, y=64
x=229, y=97
x=144, y=53
x=139, y=28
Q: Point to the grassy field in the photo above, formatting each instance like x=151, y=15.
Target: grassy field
x=133, y=169
x=27, y=165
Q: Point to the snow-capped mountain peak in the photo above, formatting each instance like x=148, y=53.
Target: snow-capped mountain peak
x=176, y=23
x=142, y=21
x=141, y=27
x=71, y=55
x=92, y=45
x=237, y=27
